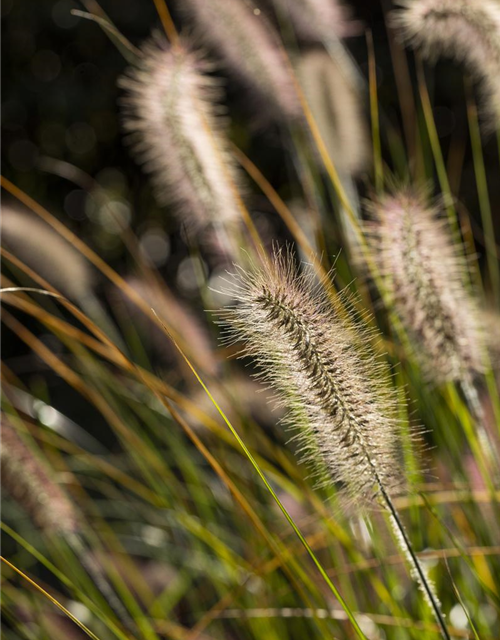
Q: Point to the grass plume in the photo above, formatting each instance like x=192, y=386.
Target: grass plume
x=343, y=414
x=336, y=393
x=467, y=30
x=335, y=104
x=424, y=275
x=47, y=253
x=30, y=482
x=250, y=49
x=27, y=479
x=171, y=111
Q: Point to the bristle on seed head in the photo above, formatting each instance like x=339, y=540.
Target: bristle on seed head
x=324, y=373
x=424, y=275
x=30, y=483
x=171, y=111
x=467, y=30
x=251, y=50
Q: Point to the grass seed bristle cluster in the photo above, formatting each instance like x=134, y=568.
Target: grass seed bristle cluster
x=340, y=407
x=173, y=115
x=338, y=397
x=335, y=106
x=467, y=30
x=251, y=51
x=319, y=21
x=42, y=249
x=29, y=482
x=424, y=275
x=171, y=308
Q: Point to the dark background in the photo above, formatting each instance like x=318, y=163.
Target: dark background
x=60, y=101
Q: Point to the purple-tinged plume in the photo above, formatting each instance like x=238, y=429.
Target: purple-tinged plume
x=319, y=20
x=336, y=107
x=324, y=373
x=30, y=483
x=467, y=30
x=171, y=111
x=250, y=49
x=317, y=357
x=42, y=249
x=177, y=315
x=424, y=276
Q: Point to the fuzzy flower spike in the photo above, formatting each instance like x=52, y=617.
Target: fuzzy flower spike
x=250, y=49
x=336, y=107
x=424, y=274
x=324, y=373
x=29, y=480
x=424, y=277
x=171, y=111
x=467, y=30
x=319, y=21
x=343, y=415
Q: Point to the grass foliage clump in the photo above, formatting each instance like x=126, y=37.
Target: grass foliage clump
x=156, y=346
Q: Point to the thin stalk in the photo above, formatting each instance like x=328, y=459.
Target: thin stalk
x=416, y=567
x=95, y=572
x=51, y=599
x=484, y=201
x=436, y=150
x=124, y=46
x=377, y=147
x=166, y=20
x=470, y=392
x=63, y=578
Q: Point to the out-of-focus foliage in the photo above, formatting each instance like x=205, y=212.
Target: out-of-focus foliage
x=190, y=513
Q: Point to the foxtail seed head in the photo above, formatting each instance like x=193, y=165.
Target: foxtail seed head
x=171, y=111
x=335, y=105
x=424, y=276
x=180, y=317
x=319, y=20
x=467, y=30
x=250, y=49
x=324, y=374
x=42, y=249
x=29, y=482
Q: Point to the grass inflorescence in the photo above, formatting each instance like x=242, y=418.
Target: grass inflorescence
x=318, y=455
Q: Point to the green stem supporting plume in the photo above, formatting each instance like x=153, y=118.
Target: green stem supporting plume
x=416, y=568
x=487, y=452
